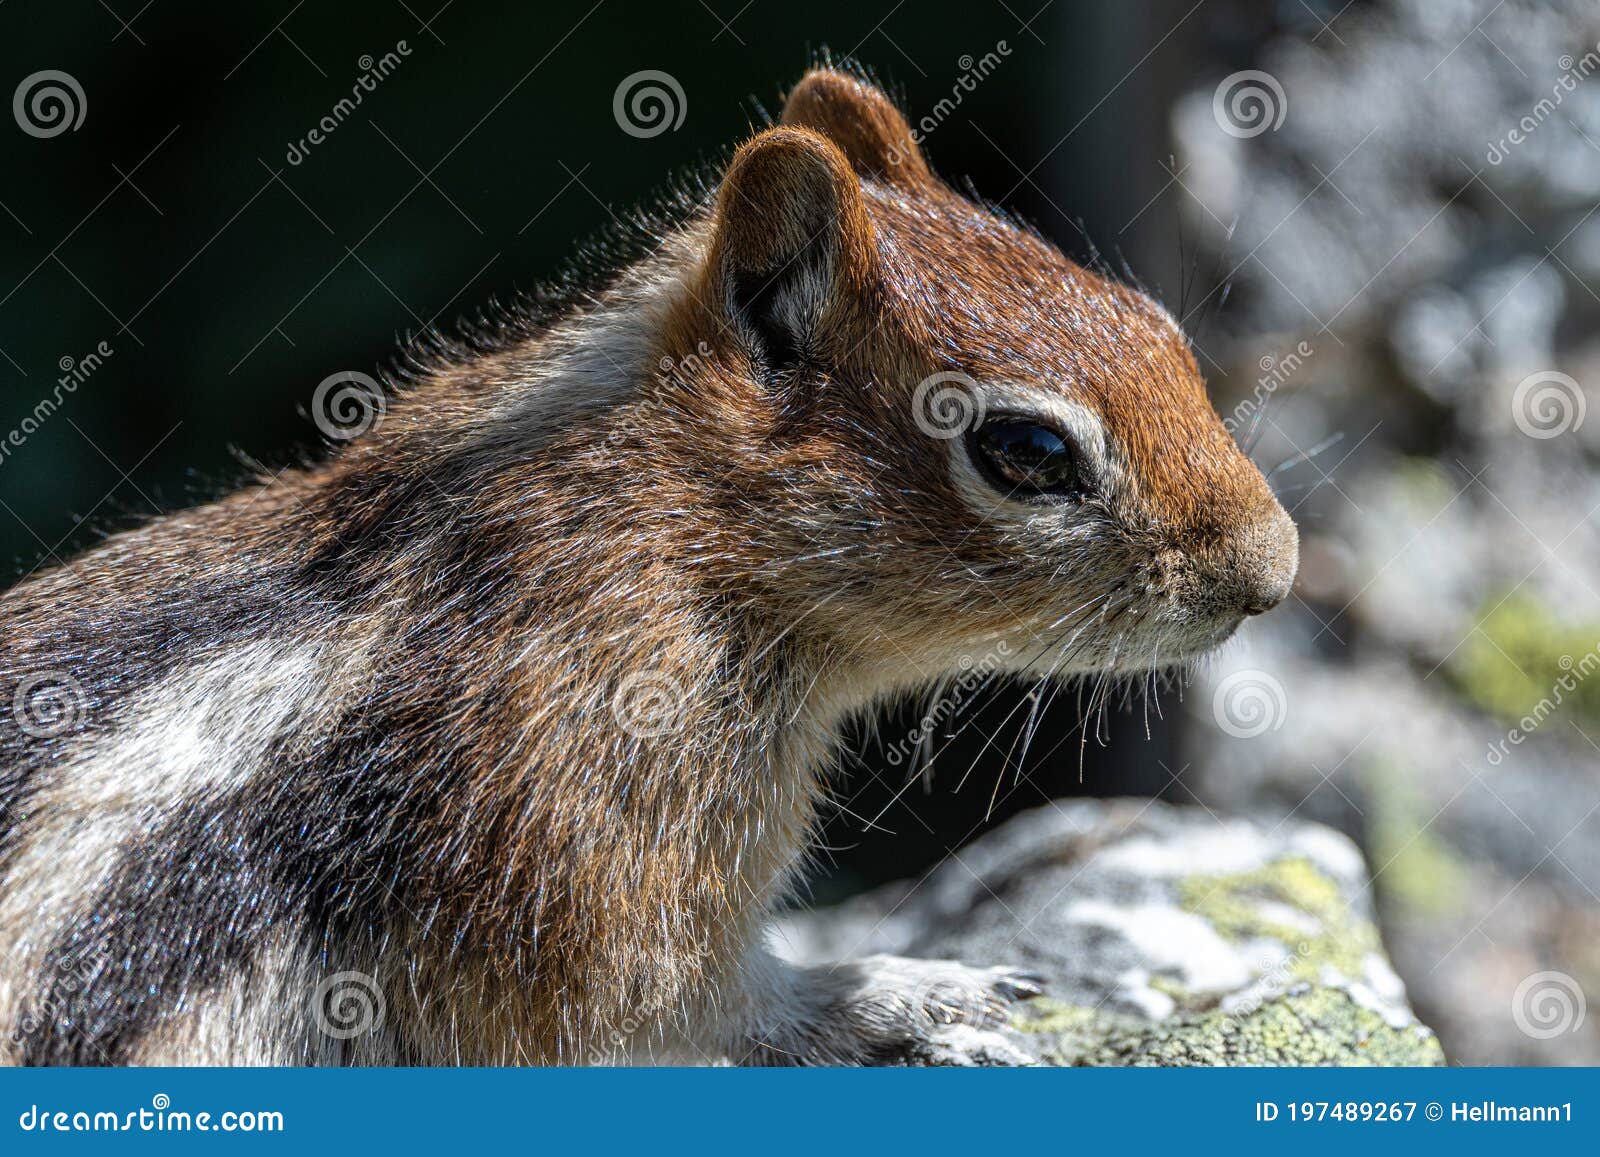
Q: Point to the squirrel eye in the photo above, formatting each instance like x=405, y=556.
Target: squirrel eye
x=1024, y=459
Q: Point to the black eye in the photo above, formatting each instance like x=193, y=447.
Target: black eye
x=1025, y=460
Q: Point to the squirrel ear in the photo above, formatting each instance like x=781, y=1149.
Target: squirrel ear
x=792, y=248
x=862, y=121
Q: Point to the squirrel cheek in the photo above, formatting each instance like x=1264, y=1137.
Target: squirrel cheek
x=1163, y=574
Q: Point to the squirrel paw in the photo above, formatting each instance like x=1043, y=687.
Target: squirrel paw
x=891, y=1010
x=943, y=992
x=948, y=1012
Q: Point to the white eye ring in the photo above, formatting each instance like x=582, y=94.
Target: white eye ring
x=1032, y=403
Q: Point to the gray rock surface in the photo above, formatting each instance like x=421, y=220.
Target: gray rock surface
x=1168, y=936
x=1423, y=222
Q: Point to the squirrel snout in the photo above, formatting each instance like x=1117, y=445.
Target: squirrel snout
x=1272, y=559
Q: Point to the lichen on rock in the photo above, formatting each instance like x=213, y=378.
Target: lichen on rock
x=1169, y=936
x=1522, y=664
x=1305, y=1025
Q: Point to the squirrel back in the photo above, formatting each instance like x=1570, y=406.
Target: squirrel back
x=519, y=707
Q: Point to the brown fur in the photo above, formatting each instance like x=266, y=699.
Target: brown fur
x=773, y=535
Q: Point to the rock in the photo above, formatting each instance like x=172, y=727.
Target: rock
x=1169, y=936
x=1419, y=230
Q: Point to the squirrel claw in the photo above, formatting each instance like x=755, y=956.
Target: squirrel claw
x=1017, y=984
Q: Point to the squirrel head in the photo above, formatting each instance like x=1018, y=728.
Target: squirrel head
x=939, y=437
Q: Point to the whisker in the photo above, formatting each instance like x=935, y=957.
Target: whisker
x=1044, y=648
x=1326, y=444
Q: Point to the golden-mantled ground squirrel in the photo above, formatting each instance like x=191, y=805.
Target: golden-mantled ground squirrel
x=517, y=711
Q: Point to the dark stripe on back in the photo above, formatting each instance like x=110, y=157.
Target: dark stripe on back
x=111, y=653
x=318, y=848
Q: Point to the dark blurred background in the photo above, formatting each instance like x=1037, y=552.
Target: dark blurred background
x=230, y=265
x=1391, y=284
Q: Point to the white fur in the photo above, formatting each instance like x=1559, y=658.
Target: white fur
x=594, y=362
x=202, y=731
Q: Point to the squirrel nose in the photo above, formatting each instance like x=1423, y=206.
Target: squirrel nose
x=1266, y=595
x=1275, y=557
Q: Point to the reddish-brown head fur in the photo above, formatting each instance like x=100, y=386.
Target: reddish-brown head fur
x=864, y=319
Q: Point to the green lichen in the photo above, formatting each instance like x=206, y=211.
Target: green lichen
x=1414, y=867
x=1427, y=484
x=1238, y=906
x=1314, y=1022
x=1524, y=666
x=1179, y=993
x=1061, y=1034
x=1307, y=1026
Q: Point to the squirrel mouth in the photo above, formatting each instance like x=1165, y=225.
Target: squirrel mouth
x=1197, y=640
x=1209, y=637
x=1222, y=633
